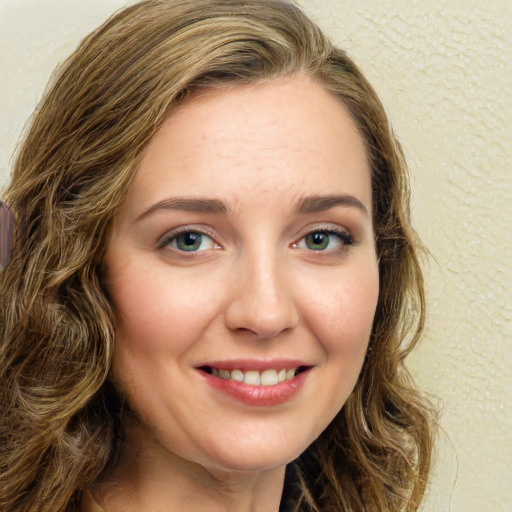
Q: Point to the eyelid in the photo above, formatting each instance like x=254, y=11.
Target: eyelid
x=346, y=237
x=170, y=235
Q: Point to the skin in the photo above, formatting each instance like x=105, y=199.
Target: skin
x=256, y=288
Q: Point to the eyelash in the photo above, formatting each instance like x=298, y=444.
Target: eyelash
x=345, y=238
x=168, y=238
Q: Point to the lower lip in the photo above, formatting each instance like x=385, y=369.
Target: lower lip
x=258, y=396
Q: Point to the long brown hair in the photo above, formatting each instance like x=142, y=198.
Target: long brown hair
x=60, y=416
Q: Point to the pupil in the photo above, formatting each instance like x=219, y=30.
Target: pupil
x=189, y=241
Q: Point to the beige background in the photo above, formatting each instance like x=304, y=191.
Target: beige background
x=443, y=70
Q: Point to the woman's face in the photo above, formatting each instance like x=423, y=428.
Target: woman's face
x=245, y=252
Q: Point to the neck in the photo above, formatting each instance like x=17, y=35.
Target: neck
x=149, y=477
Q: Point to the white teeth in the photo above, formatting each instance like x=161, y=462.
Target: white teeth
x=269, y=377
x=237, y=375
x=252, y=377
x=290, y=373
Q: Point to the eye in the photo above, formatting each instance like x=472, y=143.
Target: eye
x=188, y=241
x=324, y=240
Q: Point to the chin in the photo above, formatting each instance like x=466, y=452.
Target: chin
x=253, y=462
x=261, y=454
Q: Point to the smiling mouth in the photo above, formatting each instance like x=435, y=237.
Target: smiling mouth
x=268, y=377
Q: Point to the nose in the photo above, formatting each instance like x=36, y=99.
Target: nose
x=262, y=301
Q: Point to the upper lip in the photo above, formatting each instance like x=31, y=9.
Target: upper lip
x=255, y=364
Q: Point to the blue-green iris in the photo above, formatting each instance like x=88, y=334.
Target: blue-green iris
x=189, y=241
x=317, y=241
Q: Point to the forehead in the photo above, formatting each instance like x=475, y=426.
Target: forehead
x=285, y=135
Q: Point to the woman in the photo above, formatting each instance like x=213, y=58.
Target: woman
x=214, y=282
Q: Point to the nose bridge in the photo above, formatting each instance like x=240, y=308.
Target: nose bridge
x=268, y=280
x=262, y=300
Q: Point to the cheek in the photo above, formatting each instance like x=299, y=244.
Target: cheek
x=342, y=308
x=160, y=319
x=340, y=313
x=159, y=313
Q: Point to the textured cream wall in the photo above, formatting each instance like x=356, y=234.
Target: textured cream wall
x=443, y=70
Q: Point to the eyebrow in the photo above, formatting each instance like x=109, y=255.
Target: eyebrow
x=314, y=204
x=309, y=204
x=201, y=205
